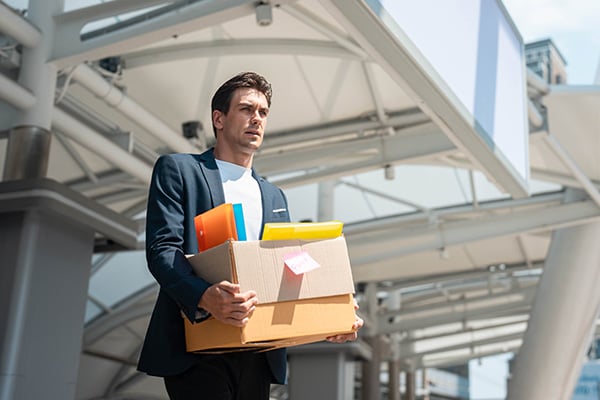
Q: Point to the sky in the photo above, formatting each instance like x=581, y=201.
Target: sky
x=574, y=27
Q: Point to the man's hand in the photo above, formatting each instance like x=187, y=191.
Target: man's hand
x=358, y=323
x=225, y=302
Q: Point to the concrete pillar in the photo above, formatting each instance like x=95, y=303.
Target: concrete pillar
x=46, y=244
x=562, y=317
x=44, y=288
x=324, y=371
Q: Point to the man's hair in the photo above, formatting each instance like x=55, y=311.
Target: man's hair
x=222, y=98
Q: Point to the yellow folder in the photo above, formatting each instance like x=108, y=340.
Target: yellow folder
x=302, y=230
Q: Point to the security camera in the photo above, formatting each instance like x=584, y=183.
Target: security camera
x=264, y=14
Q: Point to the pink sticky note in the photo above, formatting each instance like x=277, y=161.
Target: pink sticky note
x=300, y=262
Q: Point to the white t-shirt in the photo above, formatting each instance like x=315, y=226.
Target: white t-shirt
x=240, y=187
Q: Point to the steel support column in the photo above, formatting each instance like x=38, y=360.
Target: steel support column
x=394, y=380
x=27, y=153
x=36, y=73
x=371, y=371
x=29, y=141
x=326, y=200
x=561, y=325
x=411, y=385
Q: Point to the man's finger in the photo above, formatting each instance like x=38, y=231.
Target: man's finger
x=229, y=287
x=358, y=323
x=343, y=338
x=246, y=301
x=244, y=297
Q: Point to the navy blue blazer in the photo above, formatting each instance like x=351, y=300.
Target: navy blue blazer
x=183, y=186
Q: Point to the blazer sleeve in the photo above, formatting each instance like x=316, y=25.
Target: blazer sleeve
x=165, y=237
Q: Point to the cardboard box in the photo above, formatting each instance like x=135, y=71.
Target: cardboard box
x=293, y=309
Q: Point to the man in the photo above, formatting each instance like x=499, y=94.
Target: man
x=183, y=186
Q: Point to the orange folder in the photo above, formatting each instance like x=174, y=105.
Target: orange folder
x=215, y=226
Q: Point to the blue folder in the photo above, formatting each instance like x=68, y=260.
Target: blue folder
x=240, y=226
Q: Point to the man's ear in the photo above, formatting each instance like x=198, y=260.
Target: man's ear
x=217, y=117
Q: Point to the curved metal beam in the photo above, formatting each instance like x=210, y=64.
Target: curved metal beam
x=71, y=49
x=15, y=94
x=100, y=145
x=126, y=312
x=466, y=230
x=14, y=25
x=234, y=47
x=130, y=108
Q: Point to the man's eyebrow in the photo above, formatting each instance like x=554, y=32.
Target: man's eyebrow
x=250, y=103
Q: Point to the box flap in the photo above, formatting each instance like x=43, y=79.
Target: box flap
x=275, y=325
x=327, y=316
x=260, y=267
x=214, y=265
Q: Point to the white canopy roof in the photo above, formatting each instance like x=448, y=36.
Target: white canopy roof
x=442, y=248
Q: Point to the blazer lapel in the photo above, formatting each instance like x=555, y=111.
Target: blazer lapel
x=209, y=169
x=265, y=216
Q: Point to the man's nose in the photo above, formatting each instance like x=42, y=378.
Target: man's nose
x=256, y=117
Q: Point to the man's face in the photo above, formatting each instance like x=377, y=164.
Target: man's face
x=243, y=127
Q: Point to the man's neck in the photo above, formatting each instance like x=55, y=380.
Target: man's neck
x=241, y=159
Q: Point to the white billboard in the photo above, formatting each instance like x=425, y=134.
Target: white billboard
x=474, y=49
